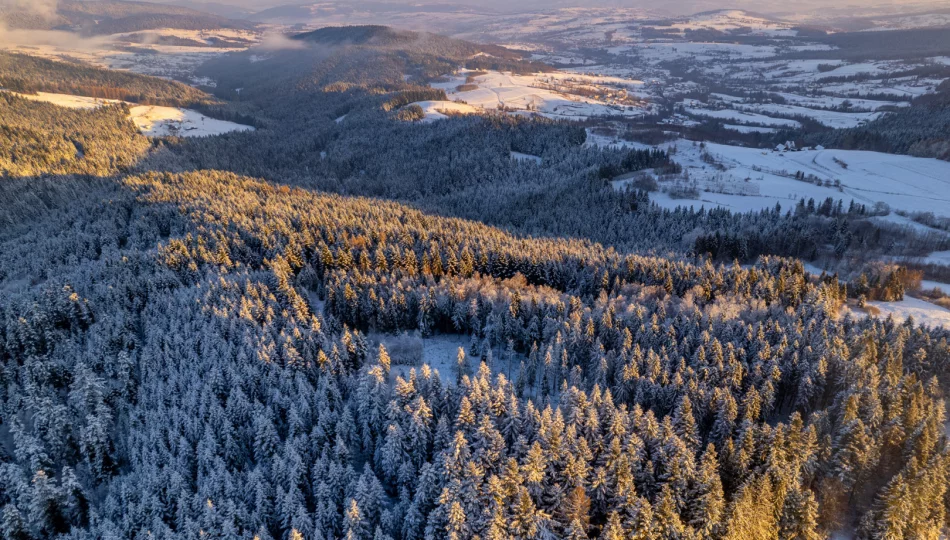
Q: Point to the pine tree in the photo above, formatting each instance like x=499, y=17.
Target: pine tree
x=613, y=530
x=685, y=424
x=667, y=520
x=799, y=519
x=354, y=524
x=706, y=500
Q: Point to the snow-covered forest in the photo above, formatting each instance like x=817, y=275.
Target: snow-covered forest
x=192, y=358
x=198, y=337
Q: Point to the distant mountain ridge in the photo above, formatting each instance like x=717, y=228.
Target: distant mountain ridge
x=104, y=17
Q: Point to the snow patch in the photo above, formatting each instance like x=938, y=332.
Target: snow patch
x=924, y=313
x=152, y=120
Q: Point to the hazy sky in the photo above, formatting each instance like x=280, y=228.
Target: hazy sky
x=828, y=7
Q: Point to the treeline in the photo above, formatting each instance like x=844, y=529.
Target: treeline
x=153, y=21
x=30, y=74
x=514, y=65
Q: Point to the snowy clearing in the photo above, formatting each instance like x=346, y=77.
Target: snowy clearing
x=833, y=119
x=439, y=110
x=152, y=120
x=742, y=117
x=902, y=182
x=164, y=121
x=924, y=313
x=547, y=94
x=410, y=352
x=518, y=156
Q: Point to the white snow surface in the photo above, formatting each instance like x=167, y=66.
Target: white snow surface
x=924, y=313
x=438, y=110
x=549, y=94
x=152, y=120
x=833, y=119
x=902, y=182
x=164, y=121
x=938, y=257
x=742, y=117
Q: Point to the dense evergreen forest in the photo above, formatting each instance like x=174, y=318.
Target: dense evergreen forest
x=193, y=337
x=42, y=138
x=920, y=130
x=30, y=74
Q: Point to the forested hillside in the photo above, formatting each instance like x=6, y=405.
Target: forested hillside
x=921, y=130
x=193, y=335
x=30, y=74
x=223, y=383
x=41, y=138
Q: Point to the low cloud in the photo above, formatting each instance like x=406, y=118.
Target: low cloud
x=279, y=42
x=51, y=38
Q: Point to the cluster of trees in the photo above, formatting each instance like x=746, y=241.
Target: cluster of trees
x=884, y=282
x=42, y=138
x=29, y=74
x=919, y=130
x=192, y=360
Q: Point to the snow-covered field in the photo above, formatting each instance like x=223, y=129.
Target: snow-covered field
x=855, y=104
x=901, y=182
x=742, y=117
x=847, y=113
x=546, y=94
x=154, y=121
x=938, y=257
x=139, y=52
x=924, y=313
x=438, y=110
x=164, y=121
x=832, y=119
